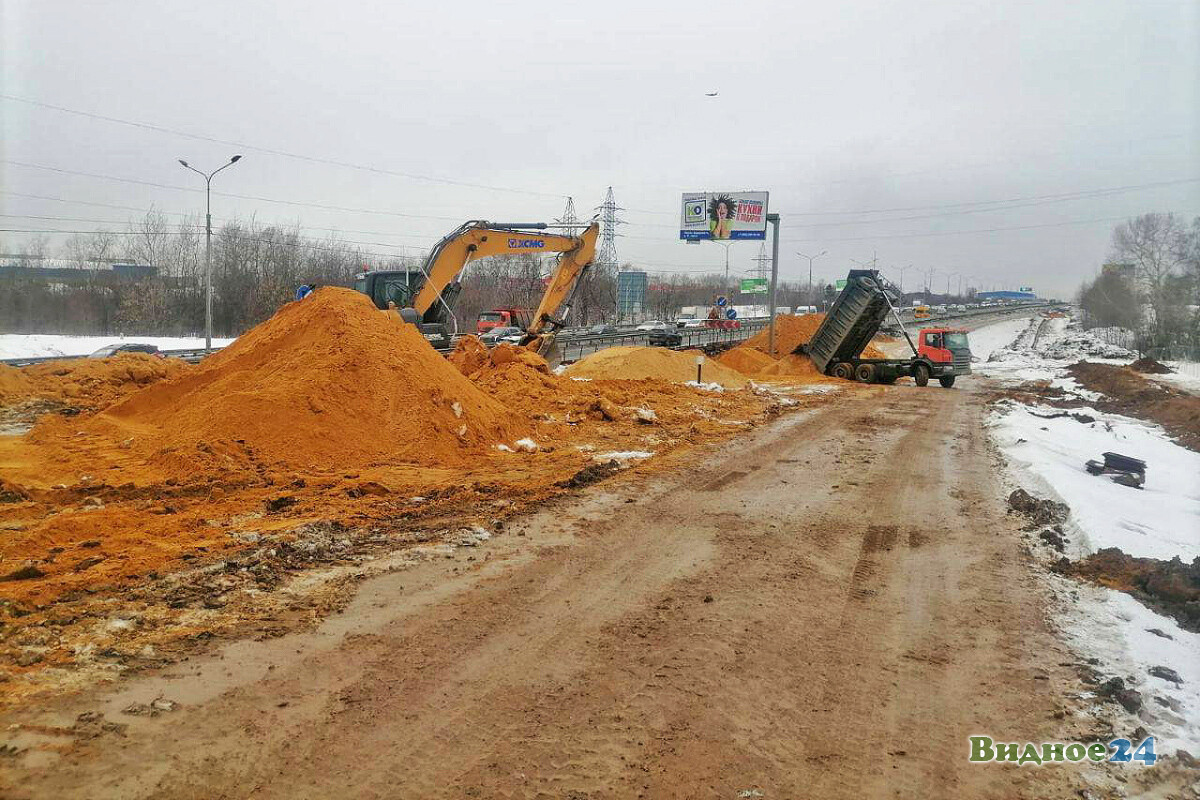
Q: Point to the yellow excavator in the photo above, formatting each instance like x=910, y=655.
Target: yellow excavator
x=425, y=296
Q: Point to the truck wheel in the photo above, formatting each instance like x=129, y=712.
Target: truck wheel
x=865, y=373
x=946, y=381
x=921, y=375
x=843, y=371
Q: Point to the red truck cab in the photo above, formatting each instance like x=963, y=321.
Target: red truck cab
x=510, y=317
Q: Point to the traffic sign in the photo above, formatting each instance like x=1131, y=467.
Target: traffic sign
x=722, y=301
x=731, y=313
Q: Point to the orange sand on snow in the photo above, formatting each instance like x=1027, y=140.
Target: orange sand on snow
x=656, y=363
x=325, y=384
x=85, y=382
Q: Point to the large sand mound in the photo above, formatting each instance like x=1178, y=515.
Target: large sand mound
x=657, y=363
x=326, y=383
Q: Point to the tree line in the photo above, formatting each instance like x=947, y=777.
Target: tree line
x=257, y=267
x=1150, y=285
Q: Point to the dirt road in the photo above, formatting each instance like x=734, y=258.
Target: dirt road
x=828, y=611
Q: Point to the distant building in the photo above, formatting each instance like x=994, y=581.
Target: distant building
x=58, y=270
x=631, y=293
x=1006, y=295
x=1124, y=269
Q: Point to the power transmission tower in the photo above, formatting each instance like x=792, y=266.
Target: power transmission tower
x=609, y=221
x=763, y=260
x=570, y=220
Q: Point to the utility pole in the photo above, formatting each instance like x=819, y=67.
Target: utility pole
x=208, y=245
x=774, y=220
x=811, y=259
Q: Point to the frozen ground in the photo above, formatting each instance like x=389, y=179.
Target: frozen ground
x=39, y=345
x=1046, y=455
x=1160, y=521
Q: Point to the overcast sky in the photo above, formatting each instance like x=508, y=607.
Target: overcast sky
x=836, y=109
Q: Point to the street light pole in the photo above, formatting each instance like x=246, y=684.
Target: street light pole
x=208, y=245
x=811, y=259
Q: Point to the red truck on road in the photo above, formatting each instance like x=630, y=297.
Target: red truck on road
x=507, y=317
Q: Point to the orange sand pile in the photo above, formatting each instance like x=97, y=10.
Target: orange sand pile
x=746, y=360
x=655, y=363
x=792, y=331
x=793, y=365
x=87, y=382
x=326, y=384
x=470, y=355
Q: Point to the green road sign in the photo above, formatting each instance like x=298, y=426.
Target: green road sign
x=754, y=286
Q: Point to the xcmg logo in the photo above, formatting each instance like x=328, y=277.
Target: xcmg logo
x=523, y=244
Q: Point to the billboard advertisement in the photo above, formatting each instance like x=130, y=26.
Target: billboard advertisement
x=723, y=215
x=754, y=286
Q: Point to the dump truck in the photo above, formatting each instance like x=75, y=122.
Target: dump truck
x=854, y=319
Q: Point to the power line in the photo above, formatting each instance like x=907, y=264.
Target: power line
x=224, y=194
x=1002, y=205
x=243, y=146
x=979, y=230
x=310, y=245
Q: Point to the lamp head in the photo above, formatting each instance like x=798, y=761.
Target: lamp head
x=181, y=161
x=234, y=160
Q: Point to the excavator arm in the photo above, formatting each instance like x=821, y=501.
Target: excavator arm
x=478, y=239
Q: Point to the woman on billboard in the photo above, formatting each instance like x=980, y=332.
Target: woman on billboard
x=720, y=216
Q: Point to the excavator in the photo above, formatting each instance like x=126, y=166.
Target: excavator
x=425, y=296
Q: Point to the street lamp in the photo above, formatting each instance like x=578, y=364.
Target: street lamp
x=810, y=260
x=903, y=269
x=208, y=245
x=726, y=245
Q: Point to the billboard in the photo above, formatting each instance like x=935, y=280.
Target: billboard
x=723, y=215
x=754, y=286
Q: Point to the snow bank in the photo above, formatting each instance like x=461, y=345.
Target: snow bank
x=990, y=338
x=1116, y=628
x=1160, y=521
x=38, y=345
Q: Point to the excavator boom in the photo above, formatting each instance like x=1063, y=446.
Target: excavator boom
x=480, y=239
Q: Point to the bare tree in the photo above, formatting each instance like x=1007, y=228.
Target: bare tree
x=1157, y=246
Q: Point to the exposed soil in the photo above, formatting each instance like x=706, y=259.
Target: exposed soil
x=1149, y=366
x=738, y=628
x=326, y=436
x=1170, y=587
x=656, y=363
x=791, y=332
x=85, y=383
x=1127, y=392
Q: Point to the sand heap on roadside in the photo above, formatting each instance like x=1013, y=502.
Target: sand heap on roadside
x=328, y=383
x=751, y=356
x=791, y=331
x=653, y=363
x=85, y=382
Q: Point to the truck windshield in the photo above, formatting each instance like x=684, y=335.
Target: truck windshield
x=957, y=341
x=490, y=317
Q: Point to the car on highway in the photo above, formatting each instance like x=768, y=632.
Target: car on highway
x=602, y=329
x=664, y=336
x=504, y=334
x=649, y=326
x=691, y=322
x=110, y=350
